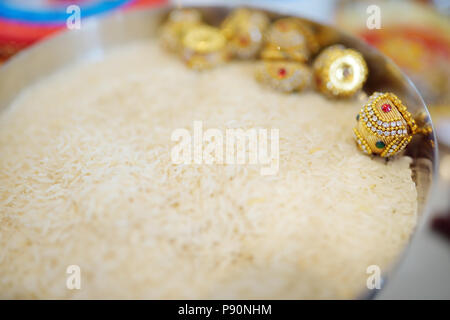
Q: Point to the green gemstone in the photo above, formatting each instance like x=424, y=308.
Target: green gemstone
x=380, y=144
x=357, y=117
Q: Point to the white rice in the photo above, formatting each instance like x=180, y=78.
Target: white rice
x=86, y=179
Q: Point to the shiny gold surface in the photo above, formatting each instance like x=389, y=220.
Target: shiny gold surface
x=204, y=47
x=340, y=72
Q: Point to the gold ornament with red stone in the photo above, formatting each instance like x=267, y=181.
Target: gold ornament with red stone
x=289, y=43
x=285, y=76
x=244, y=30
x=384, y=125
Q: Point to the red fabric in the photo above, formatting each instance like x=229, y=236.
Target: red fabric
x=429, y=38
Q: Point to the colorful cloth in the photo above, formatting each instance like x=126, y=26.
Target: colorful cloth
x=23, y=22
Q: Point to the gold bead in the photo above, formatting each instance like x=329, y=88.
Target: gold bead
x=204, y=47
x=244, y=29
x=384, y=126
x=178, y=23
x=289, y=39
x=285, y=76
x=339, y=72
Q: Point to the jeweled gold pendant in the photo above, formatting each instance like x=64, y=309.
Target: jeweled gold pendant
x=385, y=127
x=289, y=39
x=285, y=76
x=340, y=72
x=244, y=29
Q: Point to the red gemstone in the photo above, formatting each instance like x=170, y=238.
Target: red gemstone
x=282, y=72
x=244, y=41
x=386, y=107
x=282, y=26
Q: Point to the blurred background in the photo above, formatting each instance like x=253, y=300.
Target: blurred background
x=415, y=34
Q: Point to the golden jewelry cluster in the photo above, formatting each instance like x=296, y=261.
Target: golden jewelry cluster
x=286, y=48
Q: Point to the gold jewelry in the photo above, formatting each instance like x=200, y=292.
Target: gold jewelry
x=204, y=47
x=340, y=72
x=178, y=23
x=385, y=127
x=289, y=39
x=244, y=30
x=286, y=76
